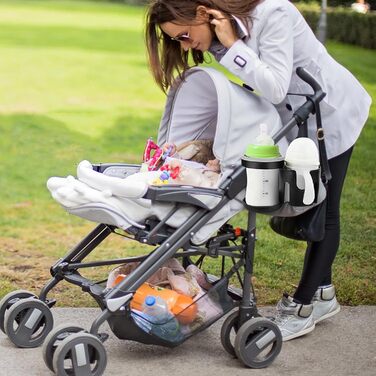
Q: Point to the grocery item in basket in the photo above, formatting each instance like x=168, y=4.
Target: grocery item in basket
x=207, y=311
x=118, y=274
x=184, y=284
x=183, y=307
x=158, y=278
x=163, y=322
x=199, y=275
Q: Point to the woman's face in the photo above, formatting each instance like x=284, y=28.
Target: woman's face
x=197, y=35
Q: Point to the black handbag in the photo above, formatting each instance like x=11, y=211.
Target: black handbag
x=309, y=226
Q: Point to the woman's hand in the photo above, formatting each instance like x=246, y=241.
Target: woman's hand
x=223, y=27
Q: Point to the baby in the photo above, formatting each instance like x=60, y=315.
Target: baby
x=200, y=151
x=193, y=162
x=185, y=172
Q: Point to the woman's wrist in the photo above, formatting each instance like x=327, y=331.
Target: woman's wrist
x=230, y=43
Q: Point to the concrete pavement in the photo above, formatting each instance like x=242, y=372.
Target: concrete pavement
x=342, y=345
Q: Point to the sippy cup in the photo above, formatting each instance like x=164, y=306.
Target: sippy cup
x=302, y=156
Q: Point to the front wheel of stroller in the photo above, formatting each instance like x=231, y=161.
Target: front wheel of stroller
x=80, y=354
x=229, y=330
x=258, y=342
x=54, y=338
x=28, y=322
x=8, y=300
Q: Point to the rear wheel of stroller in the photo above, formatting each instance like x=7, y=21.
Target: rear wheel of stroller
x=8, y=300
x=80, y=354
x=229, y=330
x=28, y=322
x=54, y=338
x=258, y=342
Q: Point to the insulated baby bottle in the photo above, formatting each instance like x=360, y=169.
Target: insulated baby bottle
x=263, y=163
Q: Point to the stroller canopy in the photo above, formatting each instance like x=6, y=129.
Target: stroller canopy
x=206, y=105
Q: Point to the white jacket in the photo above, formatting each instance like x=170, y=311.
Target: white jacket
x=279, y=41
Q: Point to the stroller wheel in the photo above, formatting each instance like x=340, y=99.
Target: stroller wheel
x=8, y=300
x=229, y=330
x=80, y=354
x=54, y=338
x=258, y=342
x=28, y=322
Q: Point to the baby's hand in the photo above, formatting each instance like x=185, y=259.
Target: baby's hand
x=213, y=165
x=170, y=147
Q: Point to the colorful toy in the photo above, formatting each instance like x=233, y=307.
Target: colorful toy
x=154, y=161
x=167, y=173
x=163, y=178
x=173, y=171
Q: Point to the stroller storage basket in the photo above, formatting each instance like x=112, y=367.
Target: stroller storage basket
x=134, y=325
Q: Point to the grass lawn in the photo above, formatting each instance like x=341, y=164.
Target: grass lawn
x=75, y=85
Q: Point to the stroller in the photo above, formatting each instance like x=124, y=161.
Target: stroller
x=178, y=220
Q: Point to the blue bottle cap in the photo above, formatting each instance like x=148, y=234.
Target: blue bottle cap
x=150, y=300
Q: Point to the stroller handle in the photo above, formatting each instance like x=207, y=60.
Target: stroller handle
x=303, y=112
x=309, y=79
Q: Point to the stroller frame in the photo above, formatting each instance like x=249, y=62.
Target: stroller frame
x=67, y=267
x=113, y=302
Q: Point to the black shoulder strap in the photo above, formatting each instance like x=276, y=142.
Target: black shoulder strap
x=325, y=170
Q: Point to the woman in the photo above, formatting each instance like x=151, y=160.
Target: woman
x=263, y=42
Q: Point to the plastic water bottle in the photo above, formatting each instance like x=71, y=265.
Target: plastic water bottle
x=163, y=323
x=142, y=320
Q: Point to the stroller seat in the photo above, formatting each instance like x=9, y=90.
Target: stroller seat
x=125, y=199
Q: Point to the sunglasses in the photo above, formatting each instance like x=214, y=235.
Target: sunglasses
x=182, y=38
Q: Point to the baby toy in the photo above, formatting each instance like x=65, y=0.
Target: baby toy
x=167, y=173
x=154, y=161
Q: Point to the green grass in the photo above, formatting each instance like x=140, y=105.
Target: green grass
x=75, y=85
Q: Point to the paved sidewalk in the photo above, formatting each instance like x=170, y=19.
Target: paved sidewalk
x=344, y=345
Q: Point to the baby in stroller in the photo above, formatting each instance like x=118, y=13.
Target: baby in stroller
x=192, y=163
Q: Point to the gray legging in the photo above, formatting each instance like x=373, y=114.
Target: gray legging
x=319, y=256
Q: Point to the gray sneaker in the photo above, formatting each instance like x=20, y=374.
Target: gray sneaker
x=293, y=319
x=325, y=304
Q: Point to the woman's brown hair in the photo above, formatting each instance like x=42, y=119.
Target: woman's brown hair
x=165, y=55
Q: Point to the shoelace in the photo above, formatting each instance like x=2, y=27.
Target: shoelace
x=283, y=315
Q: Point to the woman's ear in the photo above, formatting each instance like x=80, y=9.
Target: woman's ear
x=201, y=13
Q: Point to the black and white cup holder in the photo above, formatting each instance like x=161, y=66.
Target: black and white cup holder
x=291, y=196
